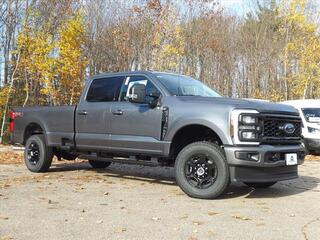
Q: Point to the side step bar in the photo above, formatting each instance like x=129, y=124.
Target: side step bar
x=152, y=163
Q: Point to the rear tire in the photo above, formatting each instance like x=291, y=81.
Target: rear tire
x=259, y=184
x=202, y=171
x=99, y=164
x=37, y=155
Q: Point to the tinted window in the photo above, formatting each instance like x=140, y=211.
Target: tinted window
x=104, y=89
x=130, y=81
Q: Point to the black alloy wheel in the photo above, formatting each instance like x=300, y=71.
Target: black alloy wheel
x=33, y=153
x=37, y=155
x=201, y=171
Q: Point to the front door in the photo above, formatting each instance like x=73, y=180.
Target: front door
x=136, y=127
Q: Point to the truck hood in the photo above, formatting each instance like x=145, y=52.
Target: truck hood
x=260, y=106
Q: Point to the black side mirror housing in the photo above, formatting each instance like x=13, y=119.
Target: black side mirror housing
x=154, y=95
x=138, y=93
x=155, y=99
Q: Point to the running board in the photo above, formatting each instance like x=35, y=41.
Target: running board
x=152, y=163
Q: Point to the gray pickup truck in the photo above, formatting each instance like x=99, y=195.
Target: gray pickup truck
x=155, y=118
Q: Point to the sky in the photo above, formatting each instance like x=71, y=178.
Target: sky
x=234, y=7
x=238, y=7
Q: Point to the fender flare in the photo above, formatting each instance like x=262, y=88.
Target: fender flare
x=194, y=121
x=38, y=122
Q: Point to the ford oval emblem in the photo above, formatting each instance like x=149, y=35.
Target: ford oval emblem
x=288, y=128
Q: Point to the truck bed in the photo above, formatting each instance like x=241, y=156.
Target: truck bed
x=56, y=122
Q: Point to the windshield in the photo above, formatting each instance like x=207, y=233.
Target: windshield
x=312, y=114
x=179, y=85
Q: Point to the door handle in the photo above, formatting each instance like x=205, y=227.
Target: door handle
x=117, y=112
x=84, y=112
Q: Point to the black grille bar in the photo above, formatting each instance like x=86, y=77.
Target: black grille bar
x=273, y=132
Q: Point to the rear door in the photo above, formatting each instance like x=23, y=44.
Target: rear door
x=136, y=127
x=92, y=114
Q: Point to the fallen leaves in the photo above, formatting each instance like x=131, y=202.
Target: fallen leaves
x=210, y=213
x=11, y=157
x=52, y=202
x=6, y=238
x=312, y=158
x=120, y=230
x=4, y=217
x=192, y=238
x=242, y=218
x=197, y=223
x=184, y=217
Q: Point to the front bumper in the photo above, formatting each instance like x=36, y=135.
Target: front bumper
x=267, y=168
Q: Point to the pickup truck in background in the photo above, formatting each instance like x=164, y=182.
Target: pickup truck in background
x=309, y=110
x=155, y=118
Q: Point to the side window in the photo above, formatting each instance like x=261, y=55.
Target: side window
x=105, y=89
x=151, y=90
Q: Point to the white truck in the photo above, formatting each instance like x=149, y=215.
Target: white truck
x=309, y=110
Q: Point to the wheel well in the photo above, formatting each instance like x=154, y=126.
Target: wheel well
x=31, y=129
x=190, y=134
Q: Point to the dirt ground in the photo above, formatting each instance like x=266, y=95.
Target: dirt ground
x=73, y=201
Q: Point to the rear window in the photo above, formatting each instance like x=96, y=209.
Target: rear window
x=105, y=89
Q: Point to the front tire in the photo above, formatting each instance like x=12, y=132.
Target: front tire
x=259, y=184
x=202, y=171
x=37, y=155
x=99, y=164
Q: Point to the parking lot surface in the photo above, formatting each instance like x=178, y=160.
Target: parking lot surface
x=74, y=201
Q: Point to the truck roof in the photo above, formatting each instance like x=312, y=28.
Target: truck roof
x=108, y=74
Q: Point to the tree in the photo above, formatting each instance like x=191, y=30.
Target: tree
x=71, y=62
x=301, y=56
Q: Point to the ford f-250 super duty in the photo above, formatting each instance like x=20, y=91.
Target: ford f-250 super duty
x=156, y=118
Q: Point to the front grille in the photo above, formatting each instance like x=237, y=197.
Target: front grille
x=273, y=129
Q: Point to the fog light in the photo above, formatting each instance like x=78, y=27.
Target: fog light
x=247, y=156
x=254, y=157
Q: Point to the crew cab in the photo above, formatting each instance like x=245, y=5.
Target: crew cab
x=156, y=118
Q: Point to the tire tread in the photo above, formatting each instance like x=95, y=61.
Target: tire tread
x=218, y=151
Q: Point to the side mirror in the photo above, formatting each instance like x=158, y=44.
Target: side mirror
x=154, y=99
x=138, y=93
x=154, y=95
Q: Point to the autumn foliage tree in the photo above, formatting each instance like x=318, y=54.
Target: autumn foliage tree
x=70, y=61
x=301, y=54
x=52, y=65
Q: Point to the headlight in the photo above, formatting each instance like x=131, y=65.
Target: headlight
x=245, y=127
x=248, y=127
x=313, y=130
x=246, y=119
